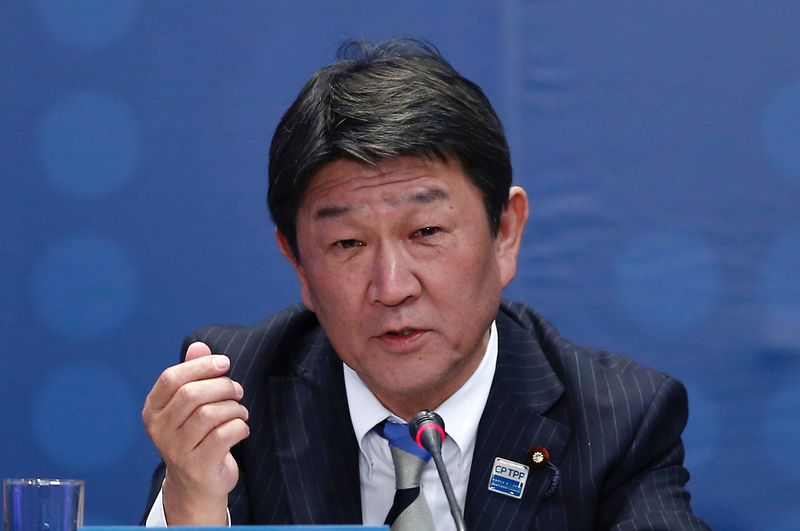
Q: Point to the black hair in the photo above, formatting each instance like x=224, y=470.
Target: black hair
x=380, y=101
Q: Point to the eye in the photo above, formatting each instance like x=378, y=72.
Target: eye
x=427, y=231
x=348, y=244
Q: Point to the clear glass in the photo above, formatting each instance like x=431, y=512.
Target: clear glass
x=42, y=504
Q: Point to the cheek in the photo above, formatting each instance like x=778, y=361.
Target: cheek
x=333, y=291
x=476, y=269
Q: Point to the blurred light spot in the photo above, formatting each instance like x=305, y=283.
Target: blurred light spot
x=86, y=415
x=87, y=23
x=84, y=285
x=89, y=144
x=780, y=131
x=666, y=281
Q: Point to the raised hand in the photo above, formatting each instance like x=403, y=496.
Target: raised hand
x=193, y=416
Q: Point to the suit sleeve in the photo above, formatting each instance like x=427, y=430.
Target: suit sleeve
x=647, y=490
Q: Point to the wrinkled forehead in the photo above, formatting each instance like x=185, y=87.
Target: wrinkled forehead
x=405, y=179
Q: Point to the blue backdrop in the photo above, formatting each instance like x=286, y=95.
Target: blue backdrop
x=659, y=143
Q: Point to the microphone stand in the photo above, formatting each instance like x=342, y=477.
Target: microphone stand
x=448, y=490
x=420, y=429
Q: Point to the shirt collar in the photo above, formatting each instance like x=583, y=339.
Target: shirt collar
x=461, y=412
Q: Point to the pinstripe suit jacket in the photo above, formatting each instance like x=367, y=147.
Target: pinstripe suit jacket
x=611, y=426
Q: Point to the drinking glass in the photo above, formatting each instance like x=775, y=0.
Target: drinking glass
x=42, y=504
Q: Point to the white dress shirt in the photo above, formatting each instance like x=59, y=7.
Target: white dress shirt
x=461, y=414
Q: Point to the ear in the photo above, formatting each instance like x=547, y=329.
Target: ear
x=509, y=234
x=286, y=250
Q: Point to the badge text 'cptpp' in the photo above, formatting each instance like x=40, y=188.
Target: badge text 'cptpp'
x=508, y=477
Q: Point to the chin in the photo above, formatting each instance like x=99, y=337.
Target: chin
x=413, y=389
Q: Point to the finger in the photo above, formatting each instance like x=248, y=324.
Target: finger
x=230, y=473
x=216, y=445
x=198, y=349
x=207, y=418
x=194, y=395
x=175, y=377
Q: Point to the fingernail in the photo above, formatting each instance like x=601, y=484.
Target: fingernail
x=239, y=390
x=220, y=362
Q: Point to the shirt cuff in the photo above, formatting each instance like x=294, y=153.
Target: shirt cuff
x=157, y=518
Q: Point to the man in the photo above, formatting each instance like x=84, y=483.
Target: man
x=390, y=187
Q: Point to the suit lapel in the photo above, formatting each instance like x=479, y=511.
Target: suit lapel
x=524, y=388
x=316, y=449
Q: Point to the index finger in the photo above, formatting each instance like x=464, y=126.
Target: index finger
x=179, y=375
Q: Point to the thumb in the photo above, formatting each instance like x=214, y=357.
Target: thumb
x=198, y=349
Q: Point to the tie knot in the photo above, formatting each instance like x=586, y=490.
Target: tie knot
x=409, y=511
x=398, y=436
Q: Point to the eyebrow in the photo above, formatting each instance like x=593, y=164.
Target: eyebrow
x=331, y=211
x=427, y=196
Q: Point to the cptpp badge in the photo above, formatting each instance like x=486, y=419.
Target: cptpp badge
x=508, y=477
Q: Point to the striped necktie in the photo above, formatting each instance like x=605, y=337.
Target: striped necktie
x=410, y=511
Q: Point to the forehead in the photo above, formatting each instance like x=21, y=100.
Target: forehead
x=410, y=178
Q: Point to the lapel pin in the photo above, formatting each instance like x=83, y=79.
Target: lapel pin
x=537, y=457
x=508, y=477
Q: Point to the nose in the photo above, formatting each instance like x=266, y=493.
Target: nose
x=393, y=279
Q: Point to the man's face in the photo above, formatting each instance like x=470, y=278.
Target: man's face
x=399, y=264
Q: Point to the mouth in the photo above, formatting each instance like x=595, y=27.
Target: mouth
x=404, y=332
x=402, y=338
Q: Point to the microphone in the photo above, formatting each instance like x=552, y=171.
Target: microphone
x=427, y=428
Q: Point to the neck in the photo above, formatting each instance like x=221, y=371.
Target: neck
x=406, y=409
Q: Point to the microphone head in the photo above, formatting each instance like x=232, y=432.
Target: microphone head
x=427, y=428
